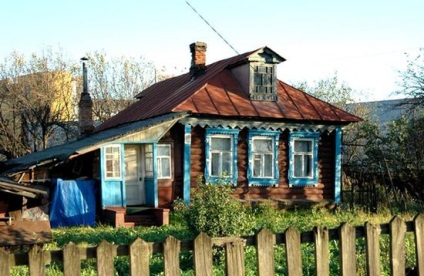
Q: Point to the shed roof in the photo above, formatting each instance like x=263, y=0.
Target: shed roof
x=217, y=92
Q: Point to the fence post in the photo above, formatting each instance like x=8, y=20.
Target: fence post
x=36, y=261
x=4, y=263
x=71, y=260
x=419, y=242
x=203, y=255
x=397, y=246
x=172, y=256
x=139, y=258
x=294, y=256
x=235, y=258
x=265, y=241
x=105, y=254
x=347, y=250
x=322, y=254
x=372, y=234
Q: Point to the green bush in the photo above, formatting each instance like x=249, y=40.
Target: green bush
x=215, y=212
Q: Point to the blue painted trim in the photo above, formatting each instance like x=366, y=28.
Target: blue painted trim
x=303, y=181
x=187, y=163
x=233, y=133
x=123, y=186
x=112, y=189
x=155, y=175
x=256, y=181
x=338, y=165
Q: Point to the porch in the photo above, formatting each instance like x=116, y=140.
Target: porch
x=135, y=216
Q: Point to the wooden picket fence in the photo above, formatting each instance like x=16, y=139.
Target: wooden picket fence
x=139, y=252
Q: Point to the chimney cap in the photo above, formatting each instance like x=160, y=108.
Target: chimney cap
x=84, y=58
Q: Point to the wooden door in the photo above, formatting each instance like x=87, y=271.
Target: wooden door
x=134, y=175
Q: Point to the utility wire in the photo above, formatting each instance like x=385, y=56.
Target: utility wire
x=212, y=27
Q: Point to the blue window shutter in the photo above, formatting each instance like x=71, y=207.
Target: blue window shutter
x=303, y=181
x=187, y=163
x=275, y=135
x=338, y=165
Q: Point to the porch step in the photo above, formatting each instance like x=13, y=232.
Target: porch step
x=140, y=220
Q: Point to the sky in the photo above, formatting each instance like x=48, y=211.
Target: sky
x=363, y=41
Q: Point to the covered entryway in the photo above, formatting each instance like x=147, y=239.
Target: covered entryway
x=134, y=175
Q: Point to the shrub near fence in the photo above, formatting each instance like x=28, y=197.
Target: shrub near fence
x=140, y=252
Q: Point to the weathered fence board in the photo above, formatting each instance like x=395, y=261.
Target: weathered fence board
x=294, y=256
x=203, y=255
x=71, y=260
x=4, y=262
x=105, y=254
x=235, y=258
x=322, y=251
x=139, y=258
x=140, y=252
x=372, y=235
x=265, y=241
x=397, y=246
x=347, y=250
x=36, y=261
x=172, y=256
x=419, y=242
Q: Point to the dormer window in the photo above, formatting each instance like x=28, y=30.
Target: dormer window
x=258, y=75
x=263, y=85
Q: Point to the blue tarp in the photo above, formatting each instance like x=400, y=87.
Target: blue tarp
x=73, y=203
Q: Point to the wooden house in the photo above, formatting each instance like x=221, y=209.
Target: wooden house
x=231, y=121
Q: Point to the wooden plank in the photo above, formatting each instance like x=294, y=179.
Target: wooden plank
x=4, y=262
x=234, y=252
x=293, y=251
x=36, y=261
x=372, y=235
x=397, y=246
x=203, y=255
x=105, y=254
x=25, y=232
x=322, y=252
x=71, y=260
x=265, y=241
x=419, y=242
x=172, y=256
x=347, y=250
x=139, y=258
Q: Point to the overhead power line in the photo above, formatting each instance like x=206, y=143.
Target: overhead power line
x=213, y=29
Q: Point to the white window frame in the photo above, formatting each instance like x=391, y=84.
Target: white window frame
x=115, y=158
x=262, y=157
x=159, y=158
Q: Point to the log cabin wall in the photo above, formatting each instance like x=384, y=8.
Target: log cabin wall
x=323, y=190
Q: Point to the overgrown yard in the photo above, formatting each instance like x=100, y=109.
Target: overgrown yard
x=214, y=212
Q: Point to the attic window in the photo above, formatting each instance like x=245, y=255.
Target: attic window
x=263, y=85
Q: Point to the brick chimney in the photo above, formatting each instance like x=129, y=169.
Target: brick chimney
x=85, y=105
x=198, y=59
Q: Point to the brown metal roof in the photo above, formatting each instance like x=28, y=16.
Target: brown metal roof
x=217, y=92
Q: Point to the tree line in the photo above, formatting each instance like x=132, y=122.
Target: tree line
x=39, y=97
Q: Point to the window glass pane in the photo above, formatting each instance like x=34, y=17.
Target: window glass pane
x=257, y=165
x=302, y=146
x=262, y=145
x=215, y=164
x=298, y=166
x=221, y=143
x=165, y=167
x=308, y=166
x=226, y=164
x=268, y=166
x=164, y=150
x=116, y=168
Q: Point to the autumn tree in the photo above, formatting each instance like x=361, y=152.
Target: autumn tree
x=341, y=95
x=412, y=82
x=37, y=101
x=113, y=82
